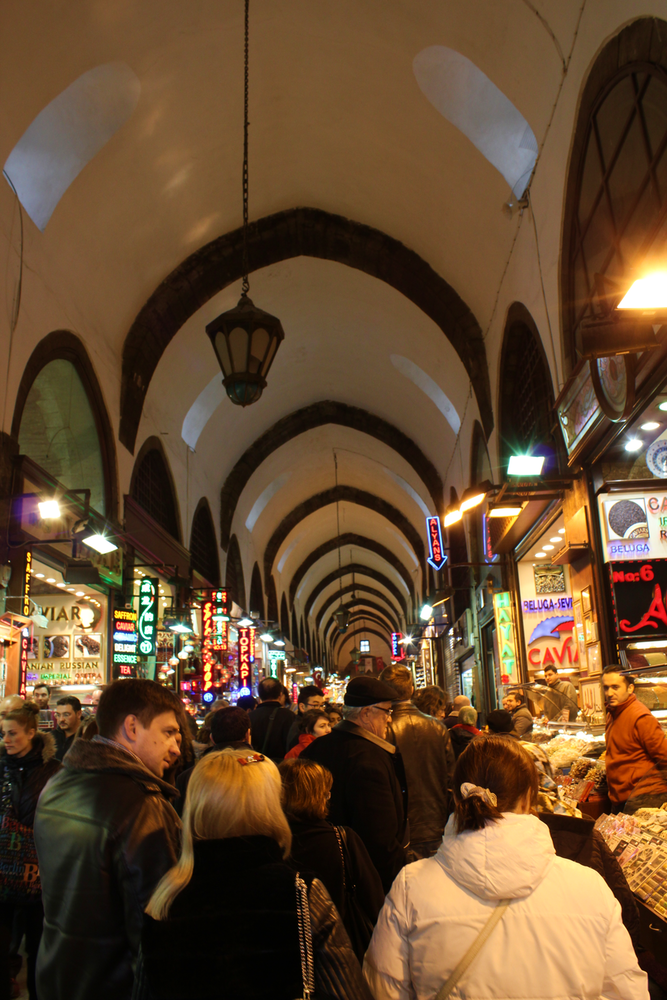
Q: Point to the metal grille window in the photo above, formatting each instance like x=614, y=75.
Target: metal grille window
x=203, y=546
x=532, y=393
x=619, y=222
x=153, y=491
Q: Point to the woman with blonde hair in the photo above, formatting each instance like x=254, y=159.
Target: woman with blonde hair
x=231, y=918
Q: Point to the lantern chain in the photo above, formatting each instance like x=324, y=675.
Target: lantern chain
x=245, y=288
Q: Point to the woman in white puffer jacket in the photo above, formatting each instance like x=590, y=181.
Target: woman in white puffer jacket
x=561, y=935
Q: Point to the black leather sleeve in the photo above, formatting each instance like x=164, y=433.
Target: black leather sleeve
x=337, y=971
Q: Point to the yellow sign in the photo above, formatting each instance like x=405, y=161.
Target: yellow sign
x=504, y=614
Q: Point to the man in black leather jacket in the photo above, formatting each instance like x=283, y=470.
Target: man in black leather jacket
x=106, y=834
x=428, y=757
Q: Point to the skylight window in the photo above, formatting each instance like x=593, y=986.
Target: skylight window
x=67, y=134
x=465, y=96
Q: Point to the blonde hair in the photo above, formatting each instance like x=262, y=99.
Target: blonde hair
x=224, y=799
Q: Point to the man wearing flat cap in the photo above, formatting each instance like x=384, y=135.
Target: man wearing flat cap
x=369, y=790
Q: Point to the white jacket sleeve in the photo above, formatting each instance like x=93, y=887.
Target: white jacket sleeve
x=387, y=962
x=623, y=979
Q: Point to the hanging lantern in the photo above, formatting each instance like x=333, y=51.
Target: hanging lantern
x=342, y=617
x=245, y=340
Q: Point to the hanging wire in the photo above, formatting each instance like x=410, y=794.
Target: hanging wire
x=245, y=287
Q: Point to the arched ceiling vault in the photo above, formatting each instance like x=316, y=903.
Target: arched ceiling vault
x=364, y=603
x=297, y=232
x=347, y=539
x=363, y=589
x=352, y=495
x=338, y=643
x=368, y=616
x=361, y=571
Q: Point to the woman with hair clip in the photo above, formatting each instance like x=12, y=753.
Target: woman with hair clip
x=495, y=913
x=232, y=918
x=27, y=761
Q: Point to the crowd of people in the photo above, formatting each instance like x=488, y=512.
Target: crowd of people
x=356, y=851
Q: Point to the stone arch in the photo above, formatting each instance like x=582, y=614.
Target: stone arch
x=256, y=592
x=294, y=629
x=295, y=232
x=271, y=601
x=357, y=541
x=234, y=582
x=152, y=486
x=203, y=544
x=368, y=617
x=386, y=609
x=62, y=344
x=358, y=569
x=284, y=617
x=351, y=494
x=337, y=643
x=306, y=419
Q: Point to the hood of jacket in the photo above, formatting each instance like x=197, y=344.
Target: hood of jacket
x=89, y=755
x=43, y=749
x=504, y=860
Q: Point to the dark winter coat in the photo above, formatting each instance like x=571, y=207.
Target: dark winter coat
x=462, y=736
x=523, y=720
x=315, y=849
x=276, y=745
x=428, y=758
x=105, y=836
x=26, y=776
x=578, y=840
x=369, y=793
x=63, y=742
x=232, y=932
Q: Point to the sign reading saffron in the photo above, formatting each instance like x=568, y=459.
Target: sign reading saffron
x=246, y=655
x=147, y=624
x=504, y=615
x=125, y=638
x=27, y=579
x=639, y=592
x=436, y=553
x=396, y=648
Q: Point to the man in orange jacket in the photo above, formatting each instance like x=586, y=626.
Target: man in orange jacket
x=636, y=758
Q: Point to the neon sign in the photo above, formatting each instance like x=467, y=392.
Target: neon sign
x=504, y=615
x=27, y=579
x=125, y=637
x=639, y=592
x=437, y=556
x=215, y=633
x=147, y=624
x=396, y=650
x=246, y=654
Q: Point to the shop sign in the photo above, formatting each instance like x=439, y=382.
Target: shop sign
x=276, y=656
x=639, y=591
x=214, y=633
x=23, y=661
x=27, y=579
x=540, y=605
x=396, y=650
x=125, y=638
x=634, y=525
x=246, y=655
x=504, y=615
x=147, y=623
x=437, y=556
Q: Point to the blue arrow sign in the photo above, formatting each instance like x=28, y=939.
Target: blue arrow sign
x=437, y=556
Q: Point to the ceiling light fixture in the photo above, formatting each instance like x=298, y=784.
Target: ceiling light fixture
x=652, y=425
x=245, y=339
x=648, y=294
x=504, y=511
x=48, y=509
x=426, y=612
x=452, y=515
x=526, y=465
x=279, y=642
x=245, y=622
x=634, y=444
x=266, y=637
x=100, y=543
x=556, y=540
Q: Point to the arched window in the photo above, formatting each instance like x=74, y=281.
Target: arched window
x=256, y=593
x=526, y=393
x=271, y=601
x=294, y=631
x=234, y=582
x=203, y=544
x=152, y=488
x=615, y=219
x=284, y=617
x=56, y=424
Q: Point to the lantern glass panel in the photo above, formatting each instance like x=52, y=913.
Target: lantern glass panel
x=238, y=346
x=260, y=342
x=273, y=347
x=222, y=351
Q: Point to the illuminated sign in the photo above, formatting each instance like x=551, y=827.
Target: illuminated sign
x=639, y=591
x=147, y=623
x=436, y=557
x=208, y=697
x=396, y=648
x=23, y=661
x=27, y=578
x=215, y=625
x=275, y=656
x=125, y=639
x=504, y=615
x=634, y=524
x=540, y=605
x=246, y=655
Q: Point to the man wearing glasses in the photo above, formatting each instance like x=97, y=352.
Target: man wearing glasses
x=369, y=790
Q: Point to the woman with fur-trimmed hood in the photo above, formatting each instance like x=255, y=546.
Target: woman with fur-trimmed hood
x=27, y=762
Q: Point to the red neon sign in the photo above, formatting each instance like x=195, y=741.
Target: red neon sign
x=437, y=557
x=246, y=655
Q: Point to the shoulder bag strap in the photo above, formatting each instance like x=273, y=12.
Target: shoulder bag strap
x=269, y=728
x=339, y=833
x=305, y=938
x=474, y=949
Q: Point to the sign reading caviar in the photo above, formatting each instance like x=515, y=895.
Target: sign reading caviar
x=125, y=637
